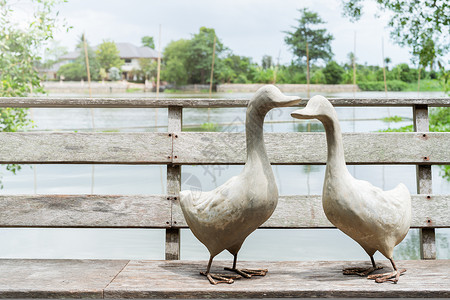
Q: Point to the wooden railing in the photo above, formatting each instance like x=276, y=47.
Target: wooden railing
x=175, y=148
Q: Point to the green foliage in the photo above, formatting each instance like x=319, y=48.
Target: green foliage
x=423, y=26
x=175, y=59
x=392, y=119
x=266, y=62
x=175, y=71
x=392, y=85
x=149, y=67
x=19, y=54
x=236, y=69
x=318, y=77
x=72, y=72
x=408, y=128
x=108, y=56
x=147, y=41
x=404, y=73
x=306, y=31
x=94, y=66
x=199, y=55
x=114, y=74
x=333, y=72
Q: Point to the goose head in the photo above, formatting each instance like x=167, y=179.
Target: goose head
x=318, y=107
x=269, y=96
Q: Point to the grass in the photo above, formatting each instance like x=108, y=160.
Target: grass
x=133, y=90
x=426, y=85
x=392, y=119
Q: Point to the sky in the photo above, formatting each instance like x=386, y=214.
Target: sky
x=248, y=27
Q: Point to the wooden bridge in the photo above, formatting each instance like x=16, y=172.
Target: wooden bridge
x=175, y=148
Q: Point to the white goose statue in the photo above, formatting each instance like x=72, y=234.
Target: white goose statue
x=223, y=218
x=377, y=220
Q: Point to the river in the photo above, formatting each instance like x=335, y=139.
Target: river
x=264, y=244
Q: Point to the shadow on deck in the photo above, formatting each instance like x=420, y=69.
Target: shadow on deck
x=180, y=279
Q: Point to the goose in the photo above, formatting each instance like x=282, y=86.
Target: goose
x=377, y=220
x=222, y=219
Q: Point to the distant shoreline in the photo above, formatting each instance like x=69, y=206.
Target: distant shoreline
x=123, y=87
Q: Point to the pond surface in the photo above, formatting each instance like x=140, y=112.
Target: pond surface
x=264, y=244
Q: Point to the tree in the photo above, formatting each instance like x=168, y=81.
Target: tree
x=266, y=62
x=333, y=72
x=149, y=67
x=147, y=41
x=307, y=37
x=71, y=72
x=199, y=54
x=94, y=66
x=175, y=61
x=20, y=45
x=423, y=26
x=108, y=56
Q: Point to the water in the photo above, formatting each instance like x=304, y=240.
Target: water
x=264, y=244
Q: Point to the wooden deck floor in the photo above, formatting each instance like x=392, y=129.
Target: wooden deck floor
x=181, y=279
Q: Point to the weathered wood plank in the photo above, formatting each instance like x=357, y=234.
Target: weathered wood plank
x=424, y=185
x=301, y=211
x=26, y=278
x=310, y=148
x=152, y=211
x=85, y=148
x=293, y=279
x=52, y=102
x=173, y=236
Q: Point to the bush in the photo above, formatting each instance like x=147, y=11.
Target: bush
x=333, y=72
x=71, y=72
x=392, y=85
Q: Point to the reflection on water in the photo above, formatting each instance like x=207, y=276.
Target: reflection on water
x=264, y=244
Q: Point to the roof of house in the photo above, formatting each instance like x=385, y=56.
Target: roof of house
x=126, y=50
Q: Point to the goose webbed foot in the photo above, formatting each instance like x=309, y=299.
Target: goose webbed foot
x=391, y=276
x=360, y=271
x=248, y=273
x=220, y=278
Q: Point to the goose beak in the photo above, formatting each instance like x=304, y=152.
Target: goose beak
x=305, y=113
x=288, y=101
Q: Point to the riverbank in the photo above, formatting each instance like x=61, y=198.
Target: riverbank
x=108, y=87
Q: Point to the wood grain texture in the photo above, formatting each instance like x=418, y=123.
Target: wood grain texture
x=303, y=211
x=181, y=279
x=85, y=148
x=152, y=211
x=296, y=148
x=173, y=236
x=32, y=278
x=199, y=102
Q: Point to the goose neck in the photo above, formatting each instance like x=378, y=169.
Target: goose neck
x=335, y=153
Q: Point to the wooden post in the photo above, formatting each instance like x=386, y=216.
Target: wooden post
x=307, y=70
x=173, y=184
x=424, y=185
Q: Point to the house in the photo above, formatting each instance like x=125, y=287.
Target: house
x=127, y=51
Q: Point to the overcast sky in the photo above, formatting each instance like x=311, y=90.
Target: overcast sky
x=248, y=27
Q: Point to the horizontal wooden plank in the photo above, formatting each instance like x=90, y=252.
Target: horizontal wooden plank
x=152, y=211
x=290, y=279
x=85, y=148
x=58, y=278
x=45, y=278
x=310, y=148
x=198, y=102
x=303, y=211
